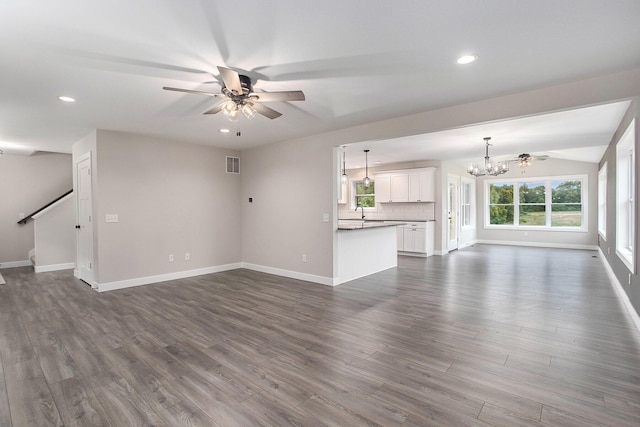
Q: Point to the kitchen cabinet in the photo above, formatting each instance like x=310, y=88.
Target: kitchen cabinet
x=400, y=237
x=417, y=237
x=410, y=185
x=392, y=187
x=422, y=185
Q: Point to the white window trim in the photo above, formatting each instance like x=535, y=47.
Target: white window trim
x=472, y=203
x=584, y=201
x=602, y=201
x=352, y=184
x=625, y=193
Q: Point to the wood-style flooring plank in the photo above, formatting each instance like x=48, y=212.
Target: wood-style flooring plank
x=484, y=336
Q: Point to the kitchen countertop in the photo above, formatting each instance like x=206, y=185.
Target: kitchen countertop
x=356, y=224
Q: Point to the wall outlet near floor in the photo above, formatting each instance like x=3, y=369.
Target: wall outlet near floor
x=171, y=259
x=304, y=258
x=187, y=256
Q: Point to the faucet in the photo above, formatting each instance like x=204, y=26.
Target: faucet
x=362, y=210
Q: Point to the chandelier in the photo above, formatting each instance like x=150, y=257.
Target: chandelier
x=489, y=168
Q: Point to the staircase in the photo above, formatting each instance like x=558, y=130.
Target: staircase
x=54, y=235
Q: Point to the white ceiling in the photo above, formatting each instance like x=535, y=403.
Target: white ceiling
x=356, y=61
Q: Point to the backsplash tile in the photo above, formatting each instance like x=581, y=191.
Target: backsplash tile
x=392, y=211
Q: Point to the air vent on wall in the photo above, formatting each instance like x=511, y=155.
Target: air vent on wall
x=233, y=164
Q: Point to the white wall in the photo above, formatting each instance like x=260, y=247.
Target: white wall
x=291, y=186
x=55, y=236
x=170, y=198
x=629, y=283
x=27, y=183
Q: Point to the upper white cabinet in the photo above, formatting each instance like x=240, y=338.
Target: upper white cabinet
x=422, y=185
x=410, y=185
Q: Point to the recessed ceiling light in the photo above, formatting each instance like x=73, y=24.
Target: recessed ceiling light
x=224, y=130
x=66, y=99
x=467, y=59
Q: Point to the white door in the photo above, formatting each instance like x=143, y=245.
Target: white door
x=452, y=212
x=84, y=257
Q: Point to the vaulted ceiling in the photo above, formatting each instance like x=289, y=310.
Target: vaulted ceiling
x=356, y=61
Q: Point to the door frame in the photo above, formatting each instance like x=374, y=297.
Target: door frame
x=453, y=214
x=86, y=275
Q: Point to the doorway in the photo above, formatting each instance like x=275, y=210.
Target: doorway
x=84, y=226
x=453, y=184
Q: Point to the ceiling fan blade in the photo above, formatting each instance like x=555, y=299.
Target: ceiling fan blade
x=198, y=92
x=215, y=109
x=541, y=157
x=291, y=95
x=266, y=111
x=231, y=80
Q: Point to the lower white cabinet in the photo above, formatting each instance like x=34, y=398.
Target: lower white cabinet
x=417, y=237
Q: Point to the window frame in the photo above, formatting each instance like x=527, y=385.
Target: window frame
x=471, y=203
x=584, y=202
x=354, y=198
x=602, y=201
x=625, y=198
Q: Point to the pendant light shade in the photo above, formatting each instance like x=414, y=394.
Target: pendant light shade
x=366, y=181
x=344, y=169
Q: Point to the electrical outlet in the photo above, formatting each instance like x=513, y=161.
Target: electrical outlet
x=629, y=279
x=304, y=258
x=608, y=251
x=187, y=256
x=171, y=259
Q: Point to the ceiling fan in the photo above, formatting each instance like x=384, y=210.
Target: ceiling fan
x=238, y=95
x=525, y=159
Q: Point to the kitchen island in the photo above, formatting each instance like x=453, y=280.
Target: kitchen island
x=366, y=247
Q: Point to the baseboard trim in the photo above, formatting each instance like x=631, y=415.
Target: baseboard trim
x=54, y=267
x=122, y=284
x=539, y=244
x=291, y=274
x=13, y=264
x=617, y=286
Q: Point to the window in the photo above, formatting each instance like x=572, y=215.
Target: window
x=625, y=191
x=364, y=197
x=550, y=203
x=532, y=204
x=602, y=201
x=467, y=204
x=501, y=206
x=566, y=203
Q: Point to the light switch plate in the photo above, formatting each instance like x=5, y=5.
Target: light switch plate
x=111, y=218
x=325, y=217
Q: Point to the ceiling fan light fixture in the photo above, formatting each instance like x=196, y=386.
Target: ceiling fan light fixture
x=248, y=111
x=524, y=160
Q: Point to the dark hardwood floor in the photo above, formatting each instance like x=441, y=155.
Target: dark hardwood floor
x=489, y=335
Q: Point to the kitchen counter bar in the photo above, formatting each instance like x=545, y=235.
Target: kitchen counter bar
x=359, y=225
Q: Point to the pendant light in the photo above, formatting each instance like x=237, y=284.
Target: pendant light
x=366, y=181
x=344, y=169
x=489, y=168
